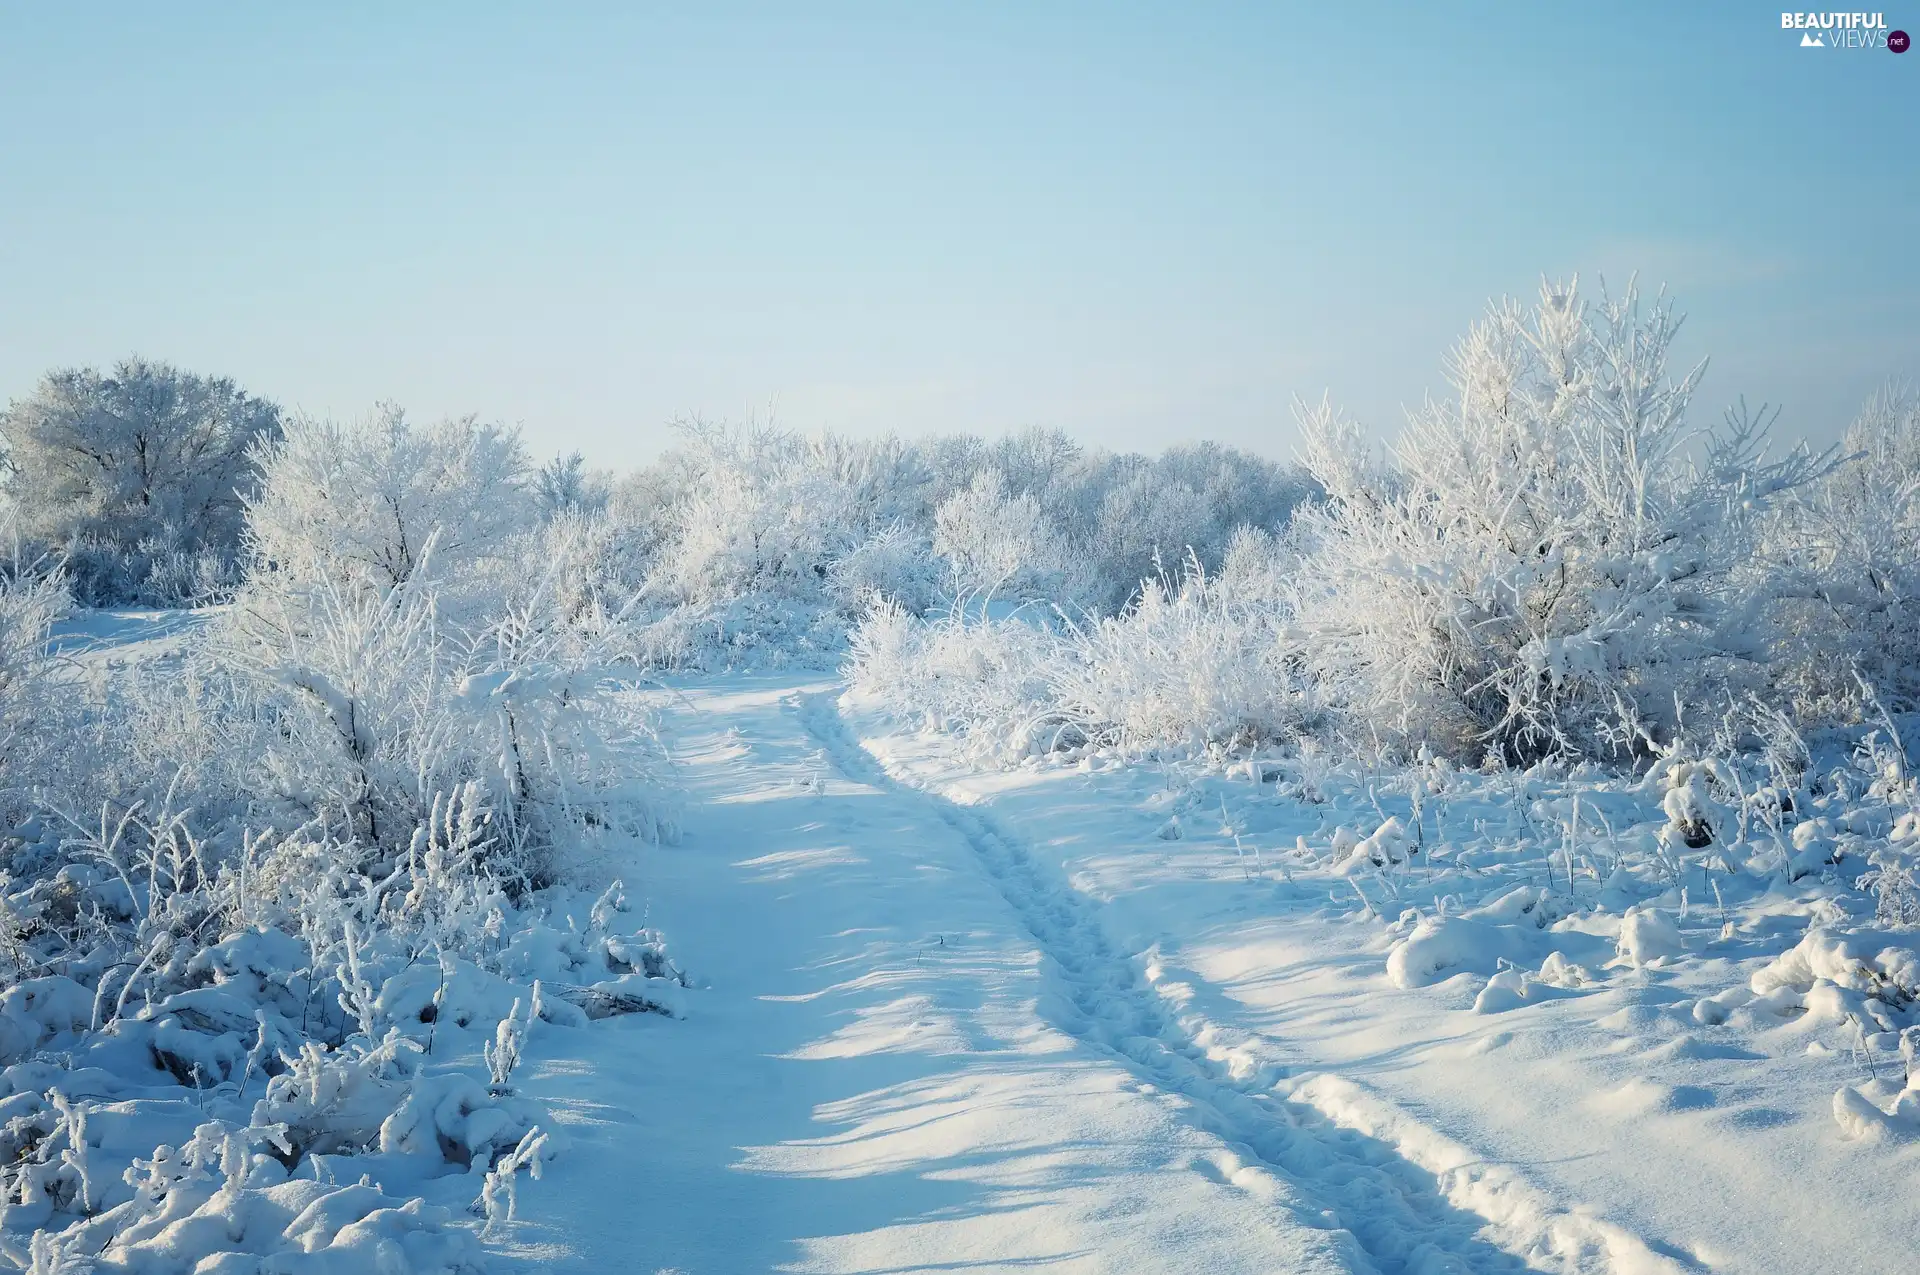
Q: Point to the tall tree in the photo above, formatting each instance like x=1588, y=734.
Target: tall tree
x=146, y=453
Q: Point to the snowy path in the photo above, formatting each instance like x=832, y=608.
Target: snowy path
x=869, y=1082
x=918, y=1049
x=1601, y=1132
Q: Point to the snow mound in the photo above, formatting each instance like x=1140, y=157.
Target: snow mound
x=1442, y=945
x=218, y=1205
x=1647, y=936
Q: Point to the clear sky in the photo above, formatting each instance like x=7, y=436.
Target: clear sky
x=1139, y=223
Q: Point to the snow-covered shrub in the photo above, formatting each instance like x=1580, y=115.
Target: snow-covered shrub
x=1205, y=660
x=771, y=511
x=154, y=571
x=565, y=485
x=36, y=717
x=136, y=477
x=1000, y=542
x=1135, y=516
x=364, y=502
x=1042, y=518
x=413, y=628
x=367, y=709
x=756, y=527
x=986, y=677
x=1202, y=660
x=1554, y=556
x=896, y=563
x=349, y=680
x=762, y=546
x=1844, y=556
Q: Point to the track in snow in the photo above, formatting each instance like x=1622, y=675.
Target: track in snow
x=1393, y=1208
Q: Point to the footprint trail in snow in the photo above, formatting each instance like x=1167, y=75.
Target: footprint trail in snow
x=915, y=1049
x=1391, y=1206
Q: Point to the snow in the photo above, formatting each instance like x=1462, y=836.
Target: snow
x=937, y=1016
x=1497, y=854
x=945, y=1017
x=122, y=631
x=882, y=1067
x=1443, y=945
x=1610, y=1107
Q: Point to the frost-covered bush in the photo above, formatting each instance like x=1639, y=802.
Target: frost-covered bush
x=767, y=541
x=137, y=477
x=154, y=571
x=1137, y=517
x=364, y=707
x=763, y=546
x=412, y=626
x=989, y=678
x=1202, y=660
x=766, y=511
x=364, y=502
x=36, y=719
x=1205, y=660
x=377, y=710
x=1042, y=518
x=1554, y=556
x=1844, y=557
x=896, y=563
x=565, y=485
x=996, y=541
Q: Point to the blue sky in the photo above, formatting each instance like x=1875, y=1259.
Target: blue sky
x=1142, y=224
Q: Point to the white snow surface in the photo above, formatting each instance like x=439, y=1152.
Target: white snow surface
x=953, y=1020
x=1063, y=1018
x=903, y=1053
x=1604, y=1125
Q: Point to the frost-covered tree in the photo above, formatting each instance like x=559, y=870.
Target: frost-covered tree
x=1555, y=556
x=36, y=710
x=771, y=540
x=565, y=485
x=368, y=500
x=768, y=540
x=134, y=473
x=1153, y=517
x=1000, y=541
x=1845, y=558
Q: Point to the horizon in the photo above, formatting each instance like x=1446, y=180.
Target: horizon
x=1140, y=228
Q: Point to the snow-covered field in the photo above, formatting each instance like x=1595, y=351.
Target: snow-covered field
x=299, y=1058
x=1607, y=1091
x=836, y=855
x=946, y=1019
x=1078, y=1014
